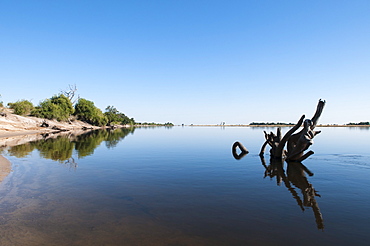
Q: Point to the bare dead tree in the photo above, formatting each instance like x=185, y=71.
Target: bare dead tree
x=70, y=92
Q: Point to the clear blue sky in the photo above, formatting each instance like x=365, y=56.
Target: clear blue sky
x=188, y=61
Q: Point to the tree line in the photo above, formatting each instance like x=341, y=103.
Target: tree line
x=359, y=124
x=269, y=123
x=64, y=107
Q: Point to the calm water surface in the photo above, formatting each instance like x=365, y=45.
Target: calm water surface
x=182, y=186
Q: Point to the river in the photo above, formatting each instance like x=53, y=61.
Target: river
x=182, y=186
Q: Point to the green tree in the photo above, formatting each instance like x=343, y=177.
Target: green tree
x=112, y=115
x=85, y=110
x=116, y=117
x=58, y=107
x=23, y=107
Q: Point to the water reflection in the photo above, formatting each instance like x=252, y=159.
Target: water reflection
x=60, y=147
x=295, y=176
x=356, y=128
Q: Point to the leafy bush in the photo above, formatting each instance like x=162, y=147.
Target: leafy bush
x=115, y=117
x=85, y=110
x=22, y=107
x=58, y=107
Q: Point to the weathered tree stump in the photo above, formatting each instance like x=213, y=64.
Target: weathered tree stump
x=301, y=141
x=297, y=143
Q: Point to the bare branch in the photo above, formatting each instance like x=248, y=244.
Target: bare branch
x=71, y=93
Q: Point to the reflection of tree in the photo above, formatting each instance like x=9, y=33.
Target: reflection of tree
x=60, y=148
x=296, y=176
x=87, y=143
x=22, y=150
x=115, y=136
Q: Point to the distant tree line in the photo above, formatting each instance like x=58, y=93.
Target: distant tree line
x=269, y=123
x=359, y=124
x=155, y=124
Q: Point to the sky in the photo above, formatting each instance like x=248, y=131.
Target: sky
x=192, y=62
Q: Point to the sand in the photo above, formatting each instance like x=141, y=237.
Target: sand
x=16, y=125
x=5, y=168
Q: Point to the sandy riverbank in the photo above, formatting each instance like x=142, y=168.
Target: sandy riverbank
x=16, y=125
x=5, y=167
x=16, y=130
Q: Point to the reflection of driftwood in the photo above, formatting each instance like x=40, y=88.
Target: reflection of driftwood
x=295, y=177
x=71, y=163
x=297, y=143
x=86, y=128
x=243, y=150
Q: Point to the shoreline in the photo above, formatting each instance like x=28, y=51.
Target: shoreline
x=205, y=125
x=5, y=168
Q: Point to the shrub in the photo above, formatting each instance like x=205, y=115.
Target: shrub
x=85, y=110
x=22, y=107
x=58, y=107
x=116, y=117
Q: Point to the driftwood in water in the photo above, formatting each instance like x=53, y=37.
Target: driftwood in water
x=301, y=141
x=276, y=142
x=44, y=124
x=243, y=150
x=297, y=143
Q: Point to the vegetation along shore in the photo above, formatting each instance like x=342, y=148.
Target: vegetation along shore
x=65, y=111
